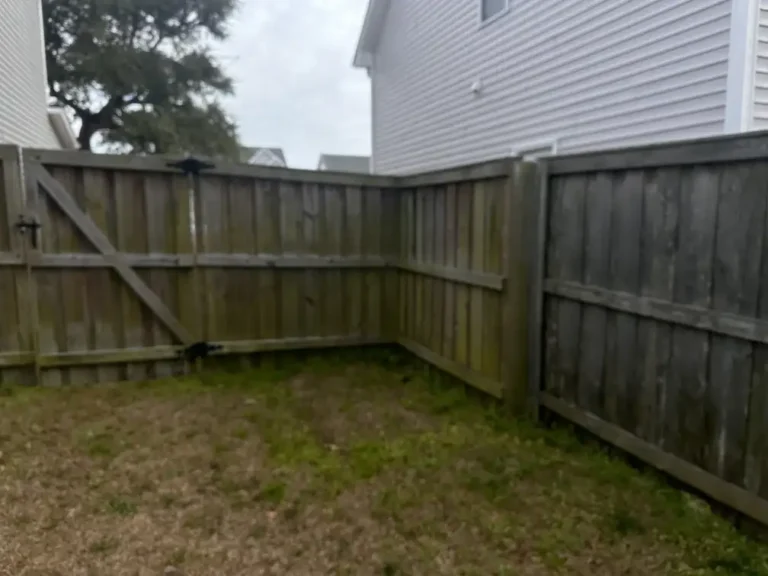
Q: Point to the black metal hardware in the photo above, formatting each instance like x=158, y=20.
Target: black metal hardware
x=191, y=165
x=25, y=224
x=199, y=350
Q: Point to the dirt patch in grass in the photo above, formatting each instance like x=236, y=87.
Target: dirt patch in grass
x=328, y=470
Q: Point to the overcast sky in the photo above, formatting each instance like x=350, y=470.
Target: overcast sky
x=296, y=89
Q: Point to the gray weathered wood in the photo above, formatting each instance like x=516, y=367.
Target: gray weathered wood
x=731, y=148
x=62, y=198
x=470, y=173
x=459, y=370
x=537, y=202
x=658, y=255
x=458, y=275
x=625, y=277
x=597, y=253
x=553, y=242
x=689, y=372
x=736, y=277
x=733, y=496
x=570, y=269
x=693, y=317
x=522, y=181
x=159, y=164
x=756, y=456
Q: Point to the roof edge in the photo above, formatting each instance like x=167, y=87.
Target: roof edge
x=63, y=129
x=369, y=35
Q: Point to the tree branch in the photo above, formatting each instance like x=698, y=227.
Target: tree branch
x=58, y=95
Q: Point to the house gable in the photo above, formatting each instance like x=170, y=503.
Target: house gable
x=371, y=32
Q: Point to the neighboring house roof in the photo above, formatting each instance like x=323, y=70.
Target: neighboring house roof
x=62, y=128
x=262, y=156
x=341, y=163
x=369, y=37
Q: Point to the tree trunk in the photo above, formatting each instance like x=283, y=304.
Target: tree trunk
x=87, y=130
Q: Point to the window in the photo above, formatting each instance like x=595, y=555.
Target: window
x=491, y=8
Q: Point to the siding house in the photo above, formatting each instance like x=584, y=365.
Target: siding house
x=25, y=119
x=466, y=80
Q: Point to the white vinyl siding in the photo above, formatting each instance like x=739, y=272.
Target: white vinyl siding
x=760, y=108
x=587, y=73
x=23, y=107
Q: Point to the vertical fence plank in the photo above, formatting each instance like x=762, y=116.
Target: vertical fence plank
x=268, y=242
x=437, y=312
x=335, y=310
x=353, y=246
x=661, y=203
x=73, y=335
x=372, y=213
x=241, y=314
x=403, y=255
x=693, y=285
x=597, y=251
x=311, y=290
x=161, y=235
x=411, y=256
x=291, y=232
x=496, y=240
x=419, y=281
x=477, y=261
x=428, y=256
x=625, y=277
x=553, y=244
x=130, y=217
x=571, y=226
x=390, y=232
x=463, y=255
x=103, y=287
x=451, y=238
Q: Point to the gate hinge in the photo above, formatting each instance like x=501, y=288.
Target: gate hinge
x=28, y=223
x=199, y=350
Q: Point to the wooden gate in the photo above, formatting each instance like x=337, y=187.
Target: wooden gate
x=106, y=283
x=108, y=258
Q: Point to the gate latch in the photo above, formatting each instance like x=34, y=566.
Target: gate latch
x=25, y=224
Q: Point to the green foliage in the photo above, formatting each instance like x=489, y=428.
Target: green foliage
x=140, y=72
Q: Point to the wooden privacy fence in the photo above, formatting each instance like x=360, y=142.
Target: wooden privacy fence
x=134, y=261
x=650, y=326
x=626, y=291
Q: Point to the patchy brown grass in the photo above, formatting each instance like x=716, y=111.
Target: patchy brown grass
x=328, y=469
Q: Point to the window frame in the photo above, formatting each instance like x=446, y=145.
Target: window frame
x=491, y=19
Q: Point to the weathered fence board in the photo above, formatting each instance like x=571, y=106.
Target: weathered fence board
x=463, y=275
x=137, y=260
x=654, y=302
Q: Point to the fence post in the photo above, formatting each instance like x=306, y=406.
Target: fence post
x=521, y=184
x=537, y=208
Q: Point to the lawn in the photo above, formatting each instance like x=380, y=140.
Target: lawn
x=329, y=468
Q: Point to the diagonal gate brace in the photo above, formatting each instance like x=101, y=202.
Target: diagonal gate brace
x=56, y=191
